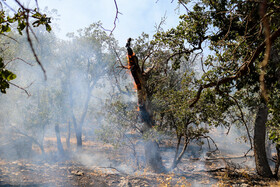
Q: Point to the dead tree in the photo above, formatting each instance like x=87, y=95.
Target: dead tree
x=152, y=152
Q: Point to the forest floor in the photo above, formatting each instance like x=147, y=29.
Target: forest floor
x=100, y=164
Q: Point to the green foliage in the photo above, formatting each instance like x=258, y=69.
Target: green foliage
x=5, y=77
x=231, y=31
x=21, y=19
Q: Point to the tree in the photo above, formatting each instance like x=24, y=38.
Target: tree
x=85, y=64
x=239, y=36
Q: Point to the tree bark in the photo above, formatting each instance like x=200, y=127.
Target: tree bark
x=262, y=165
x=152, y=151
x=177, y=159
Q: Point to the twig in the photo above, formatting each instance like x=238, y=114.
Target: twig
x=119, y=59
x=30, y=137
x=115, y=20
x=18, y=59
x=183, y=4
x=8, y=6
x=28, y=94
x=243, y=120
x=9, y=37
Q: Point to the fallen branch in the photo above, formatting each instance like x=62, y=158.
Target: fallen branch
x=237, y=157
x=216, y=170
x=110, y=167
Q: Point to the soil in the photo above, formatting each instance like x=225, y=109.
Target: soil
x=99, y=164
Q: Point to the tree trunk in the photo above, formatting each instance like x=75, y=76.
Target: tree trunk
x=262, y=165
x=152, y=152
x=79, y=138
x=78, y=131
x=58, y=140
x=68, y=135
x=177, y=159
x=153, y=157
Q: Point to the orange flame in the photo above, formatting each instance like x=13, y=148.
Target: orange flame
x=128, y=59
x=129, y=67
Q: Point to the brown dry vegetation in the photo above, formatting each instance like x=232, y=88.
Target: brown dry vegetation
x=100, y=164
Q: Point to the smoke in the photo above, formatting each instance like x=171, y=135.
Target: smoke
x=77, y=86
x=81, y=93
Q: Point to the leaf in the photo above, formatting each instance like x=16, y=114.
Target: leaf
x=48, y=27
x=11, y=77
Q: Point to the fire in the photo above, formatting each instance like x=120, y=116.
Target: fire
x=129, y=66
x=130, y=61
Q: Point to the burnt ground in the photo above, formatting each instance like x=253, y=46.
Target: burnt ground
x=99, y=164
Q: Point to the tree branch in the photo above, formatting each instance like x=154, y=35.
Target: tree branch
x=32, y=47
x=115, y=20
x=243, y=70
x=28, y=94
x=265, y=22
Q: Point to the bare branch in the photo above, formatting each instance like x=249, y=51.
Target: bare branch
x=9, y=37
x=119, y=59
x=148, y=70
x=8, y=6
x=28, y=94
x=183, y=4
x=29, y=137
x=18, y=59
x=115, y=20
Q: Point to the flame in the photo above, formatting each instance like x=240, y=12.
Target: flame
x=129, y=67
x=135, y=87
x=129, y=61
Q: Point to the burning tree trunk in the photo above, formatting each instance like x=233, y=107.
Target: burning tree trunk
x=152, y=152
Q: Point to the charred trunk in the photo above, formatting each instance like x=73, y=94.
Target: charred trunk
x=262, y=165
x=58, y=140
x=153, y=157
x=152, y=152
